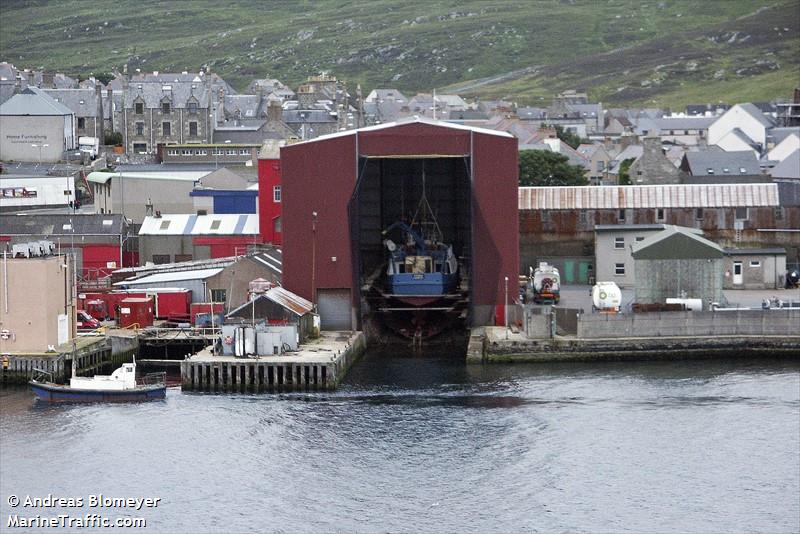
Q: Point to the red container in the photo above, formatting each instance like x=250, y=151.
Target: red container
x=171, y=302
x=97, y=308
x=205, y=307
x=115, y=298
x=136, y=310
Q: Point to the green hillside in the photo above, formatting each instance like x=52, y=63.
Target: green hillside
x=668, y=52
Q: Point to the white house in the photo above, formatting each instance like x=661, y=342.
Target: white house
x=782, y=150
x=748, y=119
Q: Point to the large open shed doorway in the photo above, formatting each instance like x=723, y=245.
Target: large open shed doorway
x=389, y=190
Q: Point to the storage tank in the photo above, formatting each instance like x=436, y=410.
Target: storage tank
x=688, y=304
x=136, y=310
x=606, y=296
x=546, y=282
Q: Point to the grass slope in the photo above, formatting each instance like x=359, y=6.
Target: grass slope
x=622, y=51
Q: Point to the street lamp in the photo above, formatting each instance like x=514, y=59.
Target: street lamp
x=313, y=257
x=40, y=147
x=505, y=309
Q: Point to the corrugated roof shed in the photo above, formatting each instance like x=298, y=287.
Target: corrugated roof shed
x=648, y=196
x=214, y=224
x=178, y=276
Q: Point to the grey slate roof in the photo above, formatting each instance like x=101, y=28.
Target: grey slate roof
x=298, y=116
x=179, y=95
x=676, y=243
x=788, y=168
x=33, y=101
x=788, y=193
x=82, y=102
x=722, y=163
x=684, y=123
x=529, y=113
x=53, y=224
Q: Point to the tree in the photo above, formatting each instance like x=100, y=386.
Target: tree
x=572, y=139
x=624, y=177
x=542, y=167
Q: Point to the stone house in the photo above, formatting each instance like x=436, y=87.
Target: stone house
x=653, y=167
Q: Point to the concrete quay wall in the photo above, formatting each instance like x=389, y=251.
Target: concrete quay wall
x=721, y=323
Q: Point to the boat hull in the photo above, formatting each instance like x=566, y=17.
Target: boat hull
x=419, y=284
x=48, y=392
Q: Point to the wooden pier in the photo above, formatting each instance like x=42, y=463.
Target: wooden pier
x=93, y=355
x=320, y=364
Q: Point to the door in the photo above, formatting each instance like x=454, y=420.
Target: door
x=737, y=273
x=583, y=272
x=334, y=309
x=569, y=271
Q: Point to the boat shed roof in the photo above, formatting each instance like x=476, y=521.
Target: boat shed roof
x=648, y=196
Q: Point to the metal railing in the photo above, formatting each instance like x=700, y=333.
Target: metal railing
x=152, y=379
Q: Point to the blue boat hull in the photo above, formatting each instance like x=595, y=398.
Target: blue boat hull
x=429, y=284
x=57, y=393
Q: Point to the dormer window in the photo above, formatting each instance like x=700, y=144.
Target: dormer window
x=165, y=108
x=192, y=107
x=138, y=108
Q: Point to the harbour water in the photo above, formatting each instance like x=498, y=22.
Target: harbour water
x=431, y=444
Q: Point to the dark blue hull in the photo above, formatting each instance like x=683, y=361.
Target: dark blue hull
x=428, y=284
x=48, y=392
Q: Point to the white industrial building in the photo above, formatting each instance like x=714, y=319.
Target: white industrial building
x=34, y=127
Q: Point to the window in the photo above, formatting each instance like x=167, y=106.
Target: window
x=619, y=269
x=166, y=129
x=276, y=225
x=139, y=128
x=621, y=215
x=231, y=152
x=182, y=257
x=755, y=264
x=601, y=166
x=217, y=152
x=218, y=295
x=193, y=128
x=619, y=243
x=165, y=108
x=138, y=108
x=276, y=193
x=202, y=212
x=215, y=224
x=660, y=215
x=160, y=258
x=244, y=152
x=164, y=225
x=201, y=152
x=187, y=151
x=173, y=152
x=639, y=238
x=81, y=123
x=545, y=216
x=778, y=213
x=741, y=214
x=192, y=107
x=698, y=214
x=140, y=148
x=582, y=216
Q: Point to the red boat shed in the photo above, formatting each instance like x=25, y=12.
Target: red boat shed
x=341, y=190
